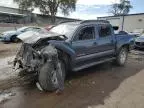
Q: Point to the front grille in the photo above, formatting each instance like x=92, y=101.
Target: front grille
x=139, y=43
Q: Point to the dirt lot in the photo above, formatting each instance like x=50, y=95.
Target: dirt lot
x=101, y=86
x=8, y=49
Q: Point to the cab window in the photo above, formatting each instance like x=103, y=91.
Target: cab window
x=104, y=31
x=86, y=33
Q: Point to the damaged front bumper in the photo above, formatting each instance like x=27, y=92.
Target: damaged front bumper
x=29, y=60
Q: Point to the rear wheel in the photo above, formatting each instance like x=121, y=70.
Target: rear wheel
x=49, y=78
x=122, y=56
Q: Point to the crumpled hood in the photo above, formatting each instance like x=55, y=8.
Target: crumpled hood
x=140, y=39
x=33, y=36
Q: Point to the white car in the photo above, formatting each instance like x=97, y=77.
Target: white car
x=139, y=42
x=11, y=36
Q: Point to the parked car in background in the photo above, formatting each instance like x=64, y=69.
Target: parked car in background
x=11, y=36
x=70, y=46
x=27, y=33
x=137, y=32
x=139, y=42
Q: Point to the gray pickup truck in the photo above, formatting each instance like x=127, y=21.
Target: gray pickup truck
x=70, y=47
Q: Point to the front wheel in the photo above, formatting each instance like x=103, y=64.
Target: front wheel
x=51, y=78
x=121, y=57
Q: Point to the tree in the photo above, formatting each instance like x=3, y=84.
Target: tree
x=48, y=7
x=124, y=7
x=121, y=8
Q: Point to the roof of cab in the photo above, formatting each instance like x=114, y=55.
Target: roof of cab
x=86, y=22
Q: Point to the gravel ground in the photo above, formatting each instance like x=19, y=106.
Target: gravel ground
x=8, y=49
x=102, y=86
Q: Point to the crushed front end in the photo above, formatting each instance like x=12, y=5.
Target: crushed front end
x=29, y=59
x=38, y=60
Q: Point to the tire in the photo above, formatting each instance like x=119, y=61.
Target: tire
x=48, y=79
x=121, y=57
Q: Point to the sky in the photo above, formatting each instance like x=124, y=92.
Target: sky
x=90, y=9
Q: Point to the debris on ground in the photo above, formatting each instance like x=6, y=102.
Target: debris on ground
x=5, y=96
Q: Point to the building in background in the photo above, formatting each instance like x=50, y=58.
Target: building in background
x=14, y=15
x=131, y=21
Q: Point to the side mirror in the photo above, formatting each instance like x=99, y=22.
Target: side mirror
x=115, y=27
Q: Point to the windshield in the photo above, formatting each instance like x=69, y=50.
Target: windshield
x=64, y=29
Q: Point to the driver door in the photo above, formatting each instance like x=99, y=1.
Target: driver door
x=83, y=43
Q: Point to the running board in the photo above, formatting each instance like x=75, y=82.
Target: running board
x=92, y=64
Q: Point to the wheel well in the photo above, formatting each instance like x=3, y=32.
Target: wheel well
x=65, y=57
x=126, y=46
x=13, y=36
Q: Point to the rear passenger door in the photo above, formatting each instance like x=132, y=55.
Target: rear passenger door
x=105, y=40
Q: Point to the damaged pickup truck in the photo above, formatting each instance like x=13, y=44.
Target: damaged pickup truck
x=70, y=46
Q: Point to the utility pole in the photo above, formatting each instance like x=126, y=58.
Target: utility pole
x=123, y=22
